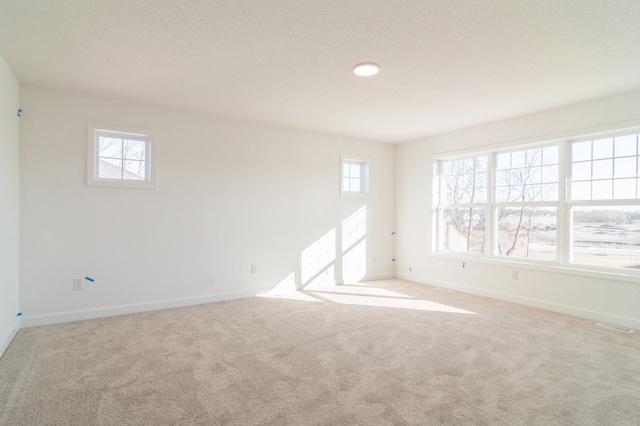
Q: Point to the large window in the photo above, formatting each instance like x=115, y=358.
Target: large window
x=605, y=213
x=573, y=203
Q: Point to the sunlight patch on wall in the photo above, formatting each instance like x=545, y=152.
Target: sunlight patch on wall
x=354, y=263
x=354, y=228
x=286, y=289
x=317, y=257
x=323, y=280
x=354, y=246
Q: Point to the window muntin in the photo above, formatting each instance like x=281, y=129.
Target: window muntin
x=591, y=222
x=527, y=175
x=465, y=180
x=605, y=169
x=119, y=158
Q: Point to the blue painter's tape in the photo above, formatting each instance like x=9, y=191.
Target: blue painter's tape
x=463, y=264
x=89, y=279
x=19, y=113
x=393, y=260
x=19, y=314
x=393, y=233
x=410, y=269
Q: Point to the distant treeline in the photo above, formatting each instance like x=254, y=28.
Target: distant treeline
x=605, y=216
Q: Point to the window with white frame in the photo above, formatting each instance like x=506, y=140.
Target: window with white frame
x=603, y=202
x=119, y=158
x=570, y=203
x=526, y=203
x=354, y=176
x=464, y=204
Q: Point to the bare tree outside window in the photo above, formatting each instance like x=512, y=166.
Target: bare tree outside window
x=121, y=158
x=527, y=179
x=465, y=197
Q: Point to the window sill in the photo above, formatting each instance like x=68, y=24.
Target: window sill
x=622, y=276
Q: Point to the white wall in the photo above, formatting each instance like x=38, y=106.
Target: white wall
x=9, y=204
x=591, y=297
x=230, y=194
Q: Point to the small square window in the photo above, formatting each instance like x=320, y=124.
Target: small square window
x=120, y=158
x=354, y=176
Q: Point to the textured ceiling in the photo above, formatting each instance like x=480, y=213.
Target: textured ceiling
x=445, y=64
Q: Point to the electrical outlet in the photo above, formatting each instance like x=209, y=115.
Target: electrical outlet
x=514, y=274
x=78, y=284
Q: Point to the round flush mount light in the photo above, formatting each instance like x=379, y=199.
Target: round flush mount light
x=366, y=69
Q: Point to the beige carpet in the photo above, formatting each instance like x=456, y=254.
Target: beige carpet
x=384, y=352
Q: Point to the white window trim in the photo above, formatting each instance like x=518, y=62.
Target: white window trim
x=92, y=158
x=365, y=180
x=562, y=264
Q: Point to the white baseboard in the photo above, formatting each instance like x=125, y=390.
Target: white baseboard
x=37, y=320
x=375, y=277
x=6, y=340
x=527, y=301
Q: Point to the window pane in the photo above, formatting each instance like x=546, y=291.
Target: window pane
x=525, y=181
x=527, y=232
x=535, y=175
x=624, y=189
x=464, y=230
x=109, y=168
x=502, y=194
x=581, y=151
x=355, y=170
x=134, y=150
x=534, y=157
x=345, y=184
x=581, y=190
x=518, y=159
x=345, y=170
x=550, y=155
x=109, y=147
x=481, y=195
x=606, y=236
x=625, y=167
x=603, y=169
x=626, y=146
x=602, y=190
x=581, y=171
x=603, y=148
x=550, y=174
x=354, y=185
x=550, y=192
x=134, y=170
x=503, y=160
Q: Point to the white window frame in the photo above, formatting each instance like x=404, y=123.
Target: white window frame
x=563, y=262
x=94, y=131
x=613, y=202
x=442, y=204
x=364, y=175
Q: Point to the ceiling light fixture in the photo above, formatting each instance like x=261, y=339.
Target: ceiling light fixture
x=366, y=69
